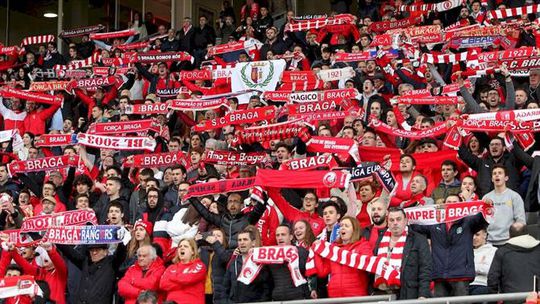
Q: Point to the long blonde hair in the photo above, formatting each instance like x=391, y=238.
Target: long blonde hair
x=192, y=244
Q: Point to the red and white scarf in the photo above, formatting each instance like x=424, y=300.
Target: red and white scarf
x=512, y=12
x=67, y=218
x=394, y=257
x=266, y=133
x=12, y=287
x=44, y=86
x=231, y=158
x=260, y=256
x=419, y=134
x=437, y=7
x=317, y=23
x=310, y=163
x=117, y=142
x=429, y=100
x=41, y=39
x=336, y=94
x=94, y=82
x=79, y=64
x=159, y=57
x=337, y=145
x=55, y=140
x=197, y=105
x=120, y=127
x=148, y=109
x=43, y=164
x=238, y=118
x=332, y=252
x=448, y=213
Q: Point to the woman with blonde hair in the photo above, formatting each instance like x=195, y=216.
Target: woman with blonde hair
x=183, y=281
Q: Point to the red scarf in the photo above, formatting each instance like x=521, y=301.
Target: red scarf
x=44, y=164
x=156, y=160
x=230, y=158
x=121, y=127
x=302, y=179
x=109, y=35
x=221, y=186
x=238, y=118
x=270, y=132
x=7, y=92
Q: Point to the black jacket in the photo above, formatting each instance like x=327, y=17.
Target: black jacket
x=204, y=36
x=258, y=291
x=484, y=165
x=186, y=39
x=170, y=46
x=514, y=266
x=278, y=48
x=416, y=267
x=533, y=163
x=231, y=224
x=219, y=268
x=98, y=280
x=452, y=250
x=283, y=285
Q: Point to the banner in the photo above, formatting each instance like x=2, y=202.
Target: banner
x=257, y=75
x=447, y=213
x=82, y=235
x=43, y=164
x=231, y=158
x=120, y=127
x=302, y=179
x=55, y=140
x=116, y=142
x=68, y=218
x=196, y=105
x=221, y=186
x=238, y=118
x=156, y=160
x=148, y=109
x=81, y=31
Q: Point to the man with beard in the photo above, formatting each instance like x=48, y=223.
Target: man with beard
x=138, y=196
x=378, y=218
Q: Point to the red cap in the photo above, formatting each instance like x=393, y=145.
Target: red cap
x=146, y=225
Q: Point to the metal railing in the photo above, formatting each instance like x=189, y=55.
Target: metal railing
x=391, y=299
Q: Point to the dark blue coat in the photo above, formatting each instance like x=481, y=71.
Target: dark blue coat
x=452, y=250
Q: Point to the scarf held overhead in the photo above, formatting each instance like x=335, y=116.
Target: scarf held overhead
x=82, y=235
x=67, y=218
x=43, y=164
x=116, y=142
x=31, y=96
x=433, y=214
x=302, y=179
x=221, y=186
x=230, y=158
x=156, y=160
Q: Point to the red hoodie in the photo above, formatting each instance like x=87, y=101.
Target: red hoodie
x=184, y=283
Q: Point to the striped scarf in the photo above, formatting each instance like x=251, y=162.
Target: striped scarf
x=394, y=257
x=373, y=264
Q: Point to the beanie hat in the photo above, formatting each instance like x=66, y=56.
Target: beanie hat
x=146, y=225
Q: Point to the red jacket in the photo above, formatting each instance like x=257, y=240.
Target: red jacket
x=57, y=278
x=91, y=102
x=34, y=122
x=135, y=280
x=292, y=214
x=13, y=119
x=345, y=281
x=221, y=85
x=401, y=194
x=184, y=283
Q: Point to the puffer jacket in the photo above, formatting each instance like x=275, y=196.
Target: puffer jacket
x=284, y=289
x=135, y=280
x=345, y=281
x=184, y=283
x=231, y=224
x=220, y=259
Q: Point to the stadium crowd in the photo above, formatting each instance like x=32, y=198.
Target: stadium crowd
x=391, y=150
